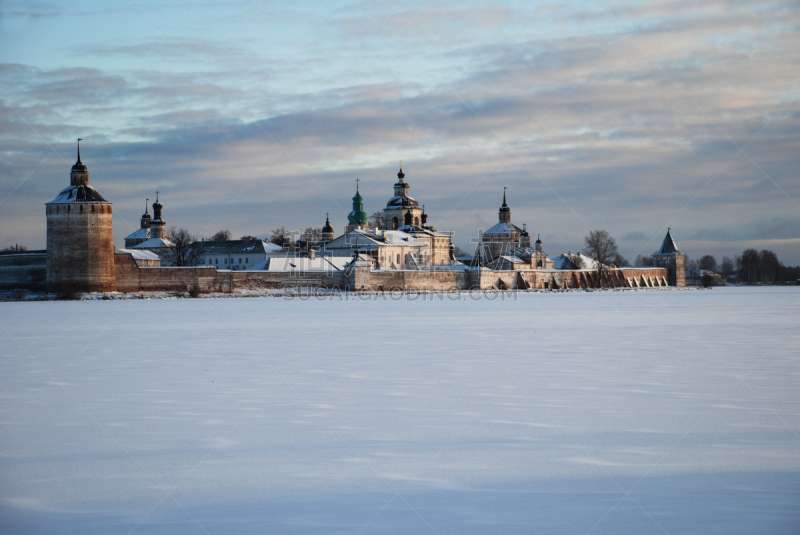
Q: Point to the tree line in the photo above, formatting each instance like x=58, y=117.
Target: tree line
x=751, y=267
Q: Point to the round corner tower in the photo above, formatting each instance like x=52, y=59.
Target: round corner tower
x=80, y=237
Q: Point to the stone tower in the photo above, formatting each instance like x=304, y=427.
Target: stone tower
x=80, y=237
x=672, y=259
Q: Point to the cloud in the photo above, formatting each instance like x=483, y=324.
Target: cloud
x=601, y=129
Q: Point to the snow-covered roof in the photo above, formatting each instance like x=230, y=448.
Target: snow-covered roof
x=562, y=262
x=155, y=243
x=321, y=263
x=503, y=228
x=512, y=259
x=366, y=240
x=400, y=201
x=79, y=194
x=140, y=255
x=255, y=246
x=141, y=234
x=415, y=230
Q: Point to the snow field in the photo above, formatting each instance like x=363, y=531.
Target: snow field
x=603, y=412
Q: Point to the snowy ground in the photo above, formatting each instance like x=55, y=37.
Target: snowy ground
x=589, y=412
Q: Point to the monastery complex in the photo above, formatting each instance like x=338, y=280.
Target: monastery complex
x=407, y=254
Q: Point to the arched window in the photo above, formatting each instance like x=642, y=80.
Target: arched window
x=416, y=221
x=395, y=224
x=398, y=254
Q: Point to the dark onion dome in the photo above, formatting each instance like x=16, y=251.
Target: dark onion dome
x=401, y=175
x=157, y=205
x=538, y=240
x=327, y=228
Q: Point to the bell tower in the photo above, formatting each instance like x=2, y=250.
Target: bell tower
x=80, y=237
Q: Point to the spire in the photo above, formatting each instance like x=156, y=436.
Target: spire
x=505, y=211
x=147, y=200
x=79, y=176
x=401, y=175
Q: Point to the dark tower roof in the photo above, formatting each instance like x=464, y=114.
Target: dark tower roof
x=327, y=229
x=505, y=207
x=79, y=165
x=157, y=205
x=79, y=190
x=668, y=247
x=146, y=214
x=401, y=198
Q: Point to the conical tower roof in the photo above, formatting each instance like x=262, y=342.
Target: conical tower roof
x=669, y=246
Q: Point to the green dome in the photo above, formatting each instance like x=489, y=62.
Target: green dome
x=358, y=216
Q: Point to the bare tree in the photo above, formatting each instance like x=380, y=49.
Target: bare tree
x=727, y=266
x=281, y=236
x=576, y=260
x=749, y=266
x=377, y=220
x=644, y=260
x=602, y=248
x=620, y=260
x=458, y=251
x=768, y=266
x=248, y=237
x=707, y=263
x=183, y=252
x=14, y=249
x=222, y=235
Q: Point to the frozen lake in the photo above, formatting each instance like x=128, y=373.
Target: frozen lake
x=591, y=412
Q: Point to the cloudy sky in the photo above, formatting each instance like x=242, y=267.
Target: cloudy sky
x=627, y=116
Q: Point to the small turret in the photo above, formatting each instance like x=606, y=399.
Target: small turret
x=504, y=215
x=327, y=231
x=157, y=225
x=525, y=238
x=538, y=244
x=146, y=218
x=79, y=176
